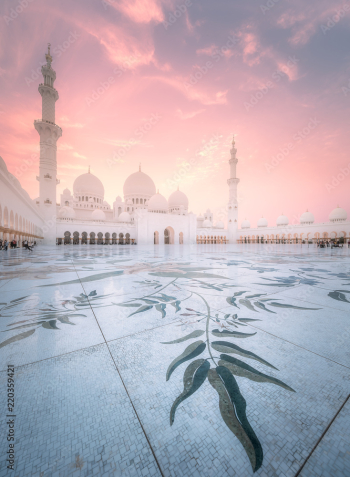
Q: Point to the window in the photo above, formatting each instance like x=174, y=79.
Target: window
x=141, y=201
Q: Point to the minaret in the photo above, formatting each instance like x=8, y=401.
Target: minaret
x=49, y=134
x=233, y=201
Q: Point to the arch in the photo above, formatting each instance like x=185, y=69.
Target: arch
x=114, y=238
x=75, y=238
x=169, y=235
x=6, y=217
x=66, y=238
x=100, y=238
x=12, y=220
x=16, y=222
x=156, y=238
x=121, y=238
x=325, y=235
x=92, y=238
x=334, y=235
x=84, y=236
x=181, y=238
x=107, y=237
x=127, y=239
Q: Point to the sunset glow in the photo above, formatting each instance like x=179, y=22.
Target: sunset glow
x=167, y=84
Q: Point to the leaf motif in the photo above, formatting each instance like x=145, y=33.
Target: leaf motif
x=128, y=304
x=161, y=308
x=226, y=347
x=256, y=295
x=233, y=334
x=19, y=299
x=176, y=305
x=232, y=301
x=232, y=407
x=194, y=376
x=93, y=293
x=239, y=368
x=262, y=306
x=50, y=325
x=65, y=319
x=195, y=349
x=239, y=293
x=141, y=309
x=281, y=305
x=149, y=302
x=194, y=334
x=337, y=295
x=247, y=319
x=247, y=304
x=21, y=336
x=24, y=326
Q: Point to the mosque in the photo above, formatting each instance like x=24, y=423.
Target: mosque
x=142, y=216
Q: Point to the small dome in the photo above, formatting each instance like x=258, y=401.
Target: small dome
x=282, y=220
x=207, y=224
x=262, y=222
x=66, y=212
x=245, y=224
x=338, y=215
x=124, y=217
x=307, y=218
x=220, y=225
x=118, y=199
x=158, y=203
x=66, y=192
x=98, y=214
x=88, y=184
x=178, y=199
x=139, y=184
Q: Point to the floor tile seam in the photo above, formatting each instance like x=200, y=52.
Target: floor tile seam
x=54, y=357
x=299, y=346
x=322, y=436
x=126, y=390
x=144, y=331
x=6, y=282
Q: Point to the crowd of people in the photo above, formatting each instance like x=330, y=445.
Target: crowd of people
x=5, y=244
x=331, y=243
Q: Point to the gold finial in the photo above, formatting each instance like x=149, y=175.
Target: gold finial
x=140, y=167
x=48, y=55
x=233, y=140
x=89, y=170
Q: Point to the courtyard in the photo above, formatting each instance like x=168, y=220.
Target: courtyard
x=169, y=360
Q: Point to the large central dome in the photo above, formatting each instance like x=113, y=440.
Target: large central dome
x=89, y=185
x=139, y=184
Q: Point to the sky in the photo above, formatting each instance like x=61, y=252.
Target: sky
x=169, y=83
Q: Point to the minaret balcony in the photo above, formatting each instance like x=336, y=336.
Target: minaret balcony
x=47, y=202
x=47, y=176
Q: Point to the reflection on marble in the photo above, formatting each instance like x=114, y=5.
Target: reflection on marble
x=207, y=360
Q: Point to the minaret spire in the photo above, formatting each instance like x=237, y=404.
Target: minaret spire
x=49, y=134
x=233, y=200
x=140, y=167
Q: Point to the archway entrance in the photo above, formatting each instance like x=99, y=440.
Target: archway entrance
x=67, y=238
x=76, y=238
x=181, y=238
x=169, y=235
x=84, y=238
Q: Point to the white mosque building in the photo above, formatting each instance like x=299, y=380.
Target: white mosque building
x=143, y=216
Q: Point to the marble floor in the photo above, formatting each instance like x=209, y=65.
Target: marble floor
x=209, y=360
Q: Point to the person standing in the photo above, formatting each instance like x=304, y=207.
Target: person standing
x=6, y=244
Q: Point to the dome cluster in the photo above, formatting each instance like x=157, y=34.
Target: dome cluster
x=307, y=218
